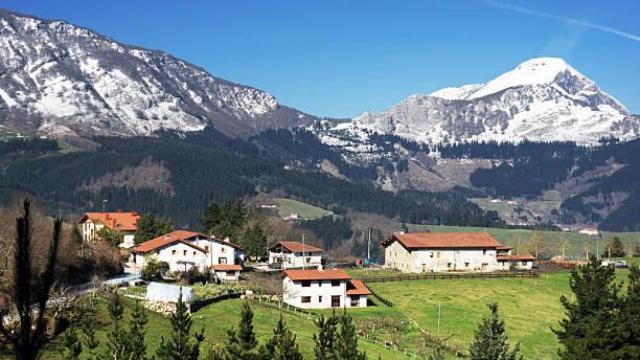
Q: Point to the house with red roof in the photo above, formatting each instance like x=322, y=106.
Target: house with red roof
x=123, y=222
x=293, y=254
x=323, y=289
x=451, y=251
x=183, y=249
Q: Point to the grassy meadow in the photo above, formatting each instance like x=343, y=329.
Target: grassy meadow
x=287, y=207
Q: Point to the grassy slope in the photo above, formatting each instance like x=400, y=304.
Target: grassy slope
x=576, y=242
x=288, y=206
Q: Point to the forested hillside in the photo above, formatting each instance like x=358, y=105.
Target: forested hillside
x=192, y=170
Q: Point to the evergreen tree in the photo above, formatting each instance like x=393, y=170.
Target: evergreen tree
x=137, y=333
x=111, y=237
x=591, y=329
x=615, y=247
x=631, y=313
x=181, y=346
x=346, y=342
x=224, y=220
x=89, y=338
x=150, y=227
x=326, y=336
x=282, y=346
x=490, y=341
x=241, y=344
x=254, y=241
x=72, y=346
x=246, y=334
x=117, y=339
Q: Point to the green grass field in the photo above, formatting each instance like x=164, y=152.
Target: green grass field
x=287, y=207
x=576, y=244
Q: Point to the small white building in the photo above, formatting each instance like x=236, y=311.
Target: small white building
x=124, y=223
x=453, y=251
x=293, y=254
x=509, y=261
x=322, y=289
x=182, y=249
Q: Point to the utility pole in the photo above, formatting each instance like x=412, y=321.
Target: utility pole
x=304, y=259
x=369, y=246
x=438, y=331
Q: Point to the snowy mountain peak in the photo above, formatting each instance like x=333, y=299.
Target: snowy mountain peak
x=542, y=99
x=60, y=79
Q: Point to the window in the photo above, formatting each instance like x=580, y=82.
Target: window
x=431, y=255
x=320, y=299
x=335, y=282
x=184, y=252
x=231, y=273
x=206, y=248
x=306, y=284
x=194, y=253
x=484, y=251
x=308, y=260
x=306, y=299
x=466, y=264
x=173, y=252
x=335, y=301
x=438, y=254
x=222, y=249
x=448, y=264
x=222, y=260
x=355, y=301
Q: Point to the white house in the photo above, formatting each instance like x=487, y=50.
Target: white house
x=321, y=289
x=125, y=223
x=508, y=261
x=182, y=249
x=453, y=251
x=292, y=254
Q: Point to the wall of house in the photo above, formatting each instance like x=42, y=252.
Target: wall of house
x=219, y=252
x=89, y=230
x=295, y=260
x=227, y=275
x=292, y=293
x=518, y=265
x=427, y=260
x=174, y=254
x=359, y=301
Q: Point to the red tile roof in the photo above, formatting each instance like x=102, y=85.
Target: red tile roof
x=504, y=247
x=181, y=236
x=120, y=221
x=516, y=257
x=327, y=274
x=226, y=267
x=295, y=246
x=357, y=287
x=444, y=240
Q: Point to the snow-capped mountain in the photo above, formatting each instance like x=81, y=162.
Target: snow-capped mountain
x=61, y=79
x=542, y=99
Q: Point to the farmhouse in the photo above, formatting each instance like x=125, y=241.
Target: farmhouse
x=125, y=223
x=321, y=289
x=292, y=254
x=453, y=251
x=182, y=250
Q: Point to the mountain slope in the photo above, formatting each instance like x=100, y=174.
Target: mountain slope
x=543, y=99
x=60, y=79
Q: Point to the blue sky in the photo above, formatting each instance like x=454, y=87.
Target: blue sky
x=340, y=58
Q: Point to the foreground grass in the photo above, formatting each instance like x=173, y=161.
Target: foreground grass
x=216, y=319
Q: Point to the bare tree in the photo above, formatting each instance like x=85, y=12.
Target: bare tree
x=30, y=289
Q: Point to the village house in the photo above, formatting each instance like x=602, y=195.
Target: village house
x=182, y=250
x=322, y=289
x=453, y=251
x=292, y=254
x=125, y=223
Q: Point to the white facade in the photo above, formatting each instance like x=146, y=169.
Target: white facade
x=438, y=260
x=182, y=255
x=295, y=259
x=322, y=294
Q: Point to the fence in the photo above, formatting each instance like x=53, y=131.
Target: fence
x=200, y=303
x=434, y=276
x=380, y=298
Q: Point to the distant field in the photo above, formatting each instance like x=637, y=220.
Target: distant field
x=287, y=207
x=576, y=244
x=6, y=134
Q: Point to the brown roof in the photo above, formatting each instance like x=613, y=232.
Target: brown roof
x=295, y=246
x=226, y=267
x=357, y=287
x=504, y=247
x=327, y=274
x=444, y=240
x=181, y=236
x=120, y=221
x=516, y=257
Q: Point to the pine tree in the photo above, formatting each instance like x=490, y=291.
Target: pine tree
x=181, y=346
x=246, y=334
x=346, y=343
x=71, y=343
x=89, y=339
x=631, y=313
x=118, y=339
x=615, y=247
x=591, y=329
x=150, y=227
x=282, y=346
x=137, y=333
x=490, y=341
x=326, y=337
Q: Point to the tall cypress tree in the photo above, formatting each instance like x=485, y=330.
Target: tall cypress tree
x=246, y=334
x=181, y=346
x=117, y=339
x=491, y=341
x=282, y=345
x=137, y=333
x=326, y=336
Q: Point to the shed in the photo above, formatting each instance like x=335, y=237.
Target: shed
x=160, y=292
